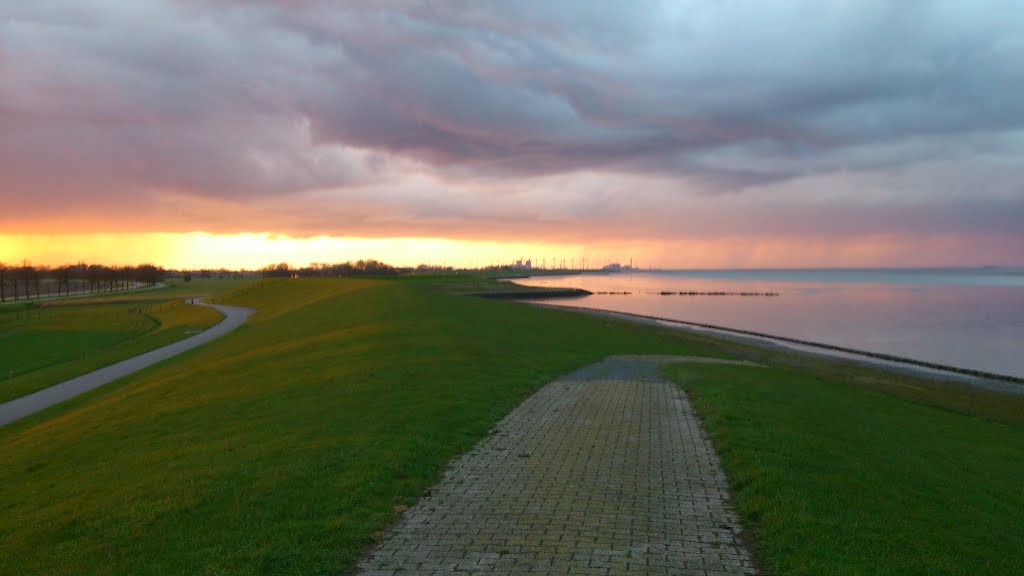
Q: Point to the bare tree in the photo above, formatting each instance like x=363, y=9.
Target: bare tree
x=148, y=274
x=63, y=275
x=4, y=273
x=37, y=275
x=25, y=272
x=281, y=270
x=92, y=273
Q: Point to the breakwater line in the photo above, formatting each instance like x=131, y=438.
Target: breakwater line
x=691, y=293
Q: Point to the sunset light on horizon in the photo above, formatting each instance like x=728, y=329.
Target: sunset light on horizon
x=227, y=135
x=198, y=250
x=448, y=287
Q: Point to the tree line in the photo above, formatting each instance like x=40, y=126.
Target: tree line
x=358, y=268
x=28, y=281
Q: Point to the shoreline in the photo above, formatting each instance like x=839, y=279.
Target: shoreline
x=977, y=378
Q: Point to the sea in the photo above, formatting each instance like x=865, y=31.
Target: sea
x=969, y=318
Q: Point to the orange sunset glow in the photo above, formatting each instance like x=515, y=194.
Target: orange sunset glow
x=253, y=251
x=245, y=144
x=453, y=287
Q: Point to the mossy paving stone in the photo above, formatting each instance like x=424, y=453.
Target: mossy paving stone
x=603, y=471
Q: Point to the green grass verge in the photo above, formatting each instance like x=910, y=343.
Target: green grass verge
x=288, y=445
x=284, y=447
x=46, y=344
x=858, y=471
x=203, y=286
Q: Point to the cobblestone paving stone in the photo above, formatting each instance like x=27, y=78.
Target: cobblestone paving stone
x=605, y=471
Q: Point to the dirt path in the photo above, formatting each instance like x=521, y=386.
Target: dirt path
x=234, y=316
x=604, y=471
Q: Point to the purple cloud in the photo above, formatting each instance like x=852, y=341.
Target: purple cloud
x=528, y=114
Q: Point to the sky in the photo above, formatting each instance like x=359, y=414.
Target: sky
x=690, y=134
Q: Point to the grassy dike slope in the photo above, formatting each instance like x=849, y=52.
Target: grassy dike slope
x=284, y=447
x=846, y=471
x=47, y=343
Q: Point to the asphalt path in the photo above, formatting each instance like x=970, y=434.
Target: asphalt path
x=234, y=316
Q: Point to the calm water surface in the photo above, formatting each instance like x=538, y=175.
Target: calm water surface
x=970, y=318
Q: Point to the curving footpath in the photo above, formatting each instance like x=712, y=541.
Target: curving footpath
x=234, y=316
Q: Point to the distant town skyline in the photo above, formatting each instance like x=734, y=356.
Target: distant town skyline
x=682, y=134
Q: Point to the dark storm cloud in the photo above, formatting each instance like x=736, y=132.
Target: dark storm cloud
x=127, y=102
x=648, y=88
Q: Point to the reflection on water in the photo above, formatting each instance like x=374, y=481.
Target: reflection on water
x=970, y=319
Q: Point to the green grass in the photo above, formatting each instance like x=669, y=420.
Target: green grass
x=475, y=282
x=857, y=471
x=42, y=345
x=203, y=286
x=284, y=447
x=287, y=446
x=35, y=338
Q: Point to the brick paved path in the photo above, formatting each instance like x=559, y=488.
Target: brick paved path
x=604, y=471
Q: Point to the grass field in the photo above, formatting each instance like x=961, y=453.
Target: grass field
x=285, y=446
x=288, y=445
x=43, y=344
x=203, y=286
x=173, y=287
x=861, y=472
